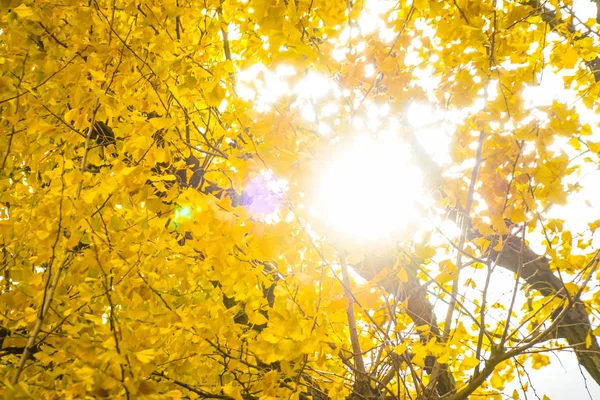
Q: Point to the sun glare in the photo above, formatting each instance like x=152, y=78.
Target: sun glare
x=369, y=190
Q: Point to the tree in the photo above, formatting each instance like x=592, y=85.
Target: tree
x=156, y=178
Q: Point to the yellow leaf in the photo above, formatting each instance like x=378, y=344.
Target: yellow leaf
x=499, y=224
x=286, y=368
x=233, y=391
x=570, y=58
x=516, y=214
x=258, y=319
x=145, y=356
x=424, y=252
x=586, y=130
x=84, y=373
x=497, y=382
x=470, y=362
x=538, y=361
x=23, y=11
x=402, y=275
x=71, y=115
x=160, y=123
x=444, y=277
x=43, y=234
x=389, y=65
x=572, y=288
x=575, y=143
x=215, y=96
x=174, y=394
x=420, y=353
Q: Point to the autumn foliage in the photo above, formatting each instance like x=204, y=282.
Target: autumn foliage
x=158, y=160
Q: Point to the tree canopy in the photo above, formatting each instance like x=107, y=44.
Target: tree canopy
x=245, y=199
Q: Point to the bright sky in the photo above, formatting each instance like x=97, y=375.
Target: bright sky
x=357, y=164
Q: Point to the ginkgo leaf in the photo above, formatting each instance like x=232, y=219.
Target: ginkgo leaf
x=570, y=58
x=233, y=391
x=258, y=319
x=84, y=373
x=23, y=11
x=470, y=362
x=215, y=96
x=423, y=251
x=145, y=356
x=402, y=275
x=585, y=130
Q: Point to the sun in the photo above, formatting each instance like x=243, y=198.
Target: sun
x=368, y=190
